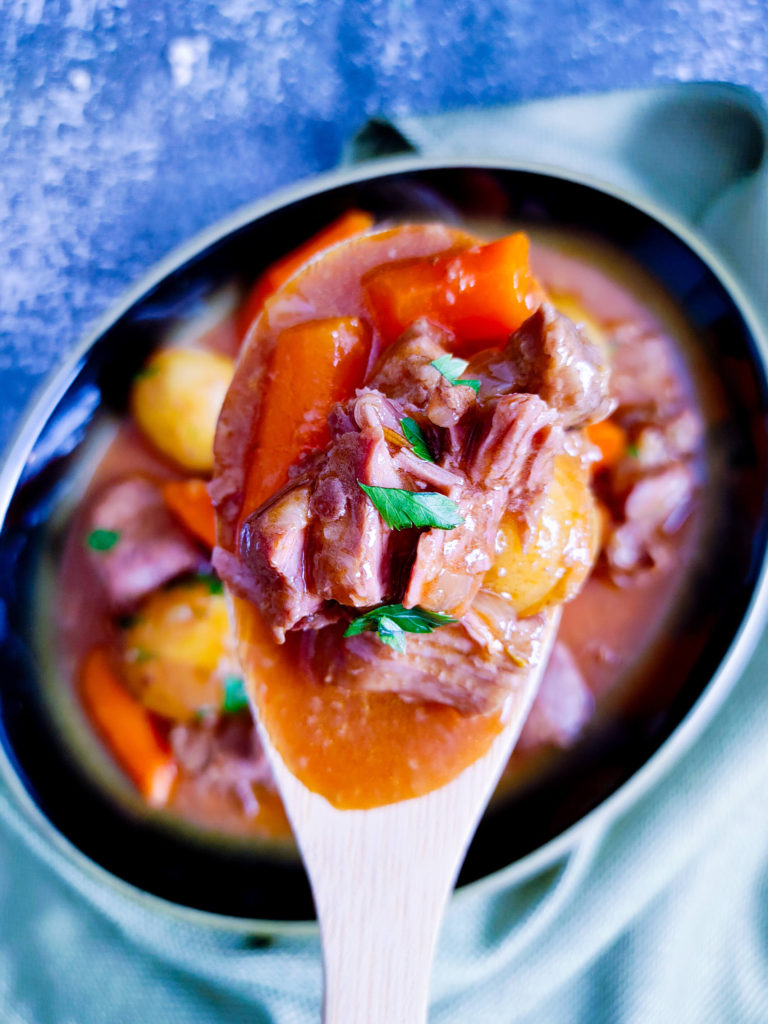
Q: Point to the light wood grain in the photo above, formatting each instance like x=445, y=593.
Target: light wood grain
x=381, y=877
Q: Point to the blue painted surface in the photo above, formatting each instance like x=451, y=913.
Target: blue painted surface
x=126, y=126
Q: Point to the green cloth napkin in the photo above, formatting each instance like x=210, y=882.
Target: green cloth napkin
x=661, y=914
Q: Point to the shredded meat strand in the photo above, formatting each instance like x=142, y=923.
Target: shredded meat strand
x=151, y=547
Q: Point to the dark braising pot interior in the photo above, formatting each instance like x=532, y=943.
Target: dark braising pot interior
x=229, y=879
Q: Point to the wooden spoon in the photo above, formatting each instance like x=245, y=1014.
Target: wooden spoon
x=381, y=877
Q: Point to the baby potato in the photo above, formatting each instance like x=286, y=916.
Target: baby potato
x=560, y=551
x=178, y=651
x=176, y=400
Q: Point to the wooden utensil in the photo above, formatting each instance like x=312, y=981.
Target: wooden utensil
x=381, y=877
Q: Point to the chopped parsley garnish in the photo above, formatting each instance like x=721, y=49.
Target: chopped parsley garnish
x=214, y=584
x=391, y=622
x=633, y=451
x=139, y=655
x=413, y=435
x=146, y=372
x=401, y=509
x=102, y=540
x=451, y=367
x=235, y=698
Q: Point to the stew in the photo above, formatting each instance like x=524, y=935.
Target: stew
x=426, y=441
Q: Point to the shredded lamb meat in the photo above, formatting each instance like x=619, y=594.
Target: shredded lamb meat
x=563, y=705
x=319, y=550
x=493, y=454
x=224, y=756
x=471, y=665
x=151, y=547
x=550, y=356
x=649, y=493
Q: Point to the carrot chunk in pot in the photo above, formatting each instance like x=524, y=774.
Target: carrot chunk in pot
x=610, y=438
x=190, y=503
x=481, y=293
x=128, y=729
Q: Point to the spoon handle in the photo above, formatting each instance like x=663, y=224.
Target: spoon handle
x=381, y=877
x=380, y=910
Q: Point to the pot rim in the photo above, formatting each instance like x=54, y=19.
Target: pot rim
x=711, y=699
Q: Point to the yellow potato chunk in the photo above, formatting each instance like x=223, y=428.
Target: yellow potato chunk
x=559, y=554
x=176, y=400
x=178, y=651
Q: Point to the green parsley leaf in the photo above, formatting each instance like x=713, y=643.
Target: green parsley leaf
x=147, y=372
x=139, y=655
x=235, y=698
x=102, y=540
x=451, y=367
x=392, y=634
x=413, y=435
x=633, y=451
x=392, y=622
x=214, y=584
x=402, y=509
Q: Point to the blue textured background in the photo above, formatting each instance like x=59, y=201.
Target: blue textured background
x=126, y=126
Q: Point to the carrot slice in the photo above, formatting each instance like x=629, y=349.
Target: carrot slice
x=610, y=438
x=351, y=223
x=127, y=728
x=482, y=293
x=313, y=366
x=190, y=503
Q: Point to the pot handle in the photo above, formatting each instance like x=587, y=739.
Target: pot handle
x=574, y=868
x=570, y=872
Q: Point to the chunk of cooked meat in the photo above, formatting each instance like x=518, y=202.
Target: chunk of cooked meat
x=274, y=555
x=406, y=375
x=491, y=457
x=563, y=705
x=151, y=548
x=659, y=444
x=350, y=543
x=450, y=564
x=510, y=448
x=657, y=505
x=649, y=491
x=549, y=356
x=472, y=665
x=224, y=756
x=515, y=444
x=645, y=376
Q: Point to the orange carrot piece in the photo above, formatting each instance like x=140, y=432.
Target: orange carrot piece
x=610, y=438
x=190, y=503
x=128, y=729
x=482, y=293
x=314, y=365
x=351, y=223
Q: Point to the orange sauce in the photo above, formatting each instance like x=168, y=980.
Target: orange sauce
x=358, y=750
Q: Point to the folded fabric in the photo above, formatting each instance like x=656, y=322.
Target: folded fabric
x=633, y=937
